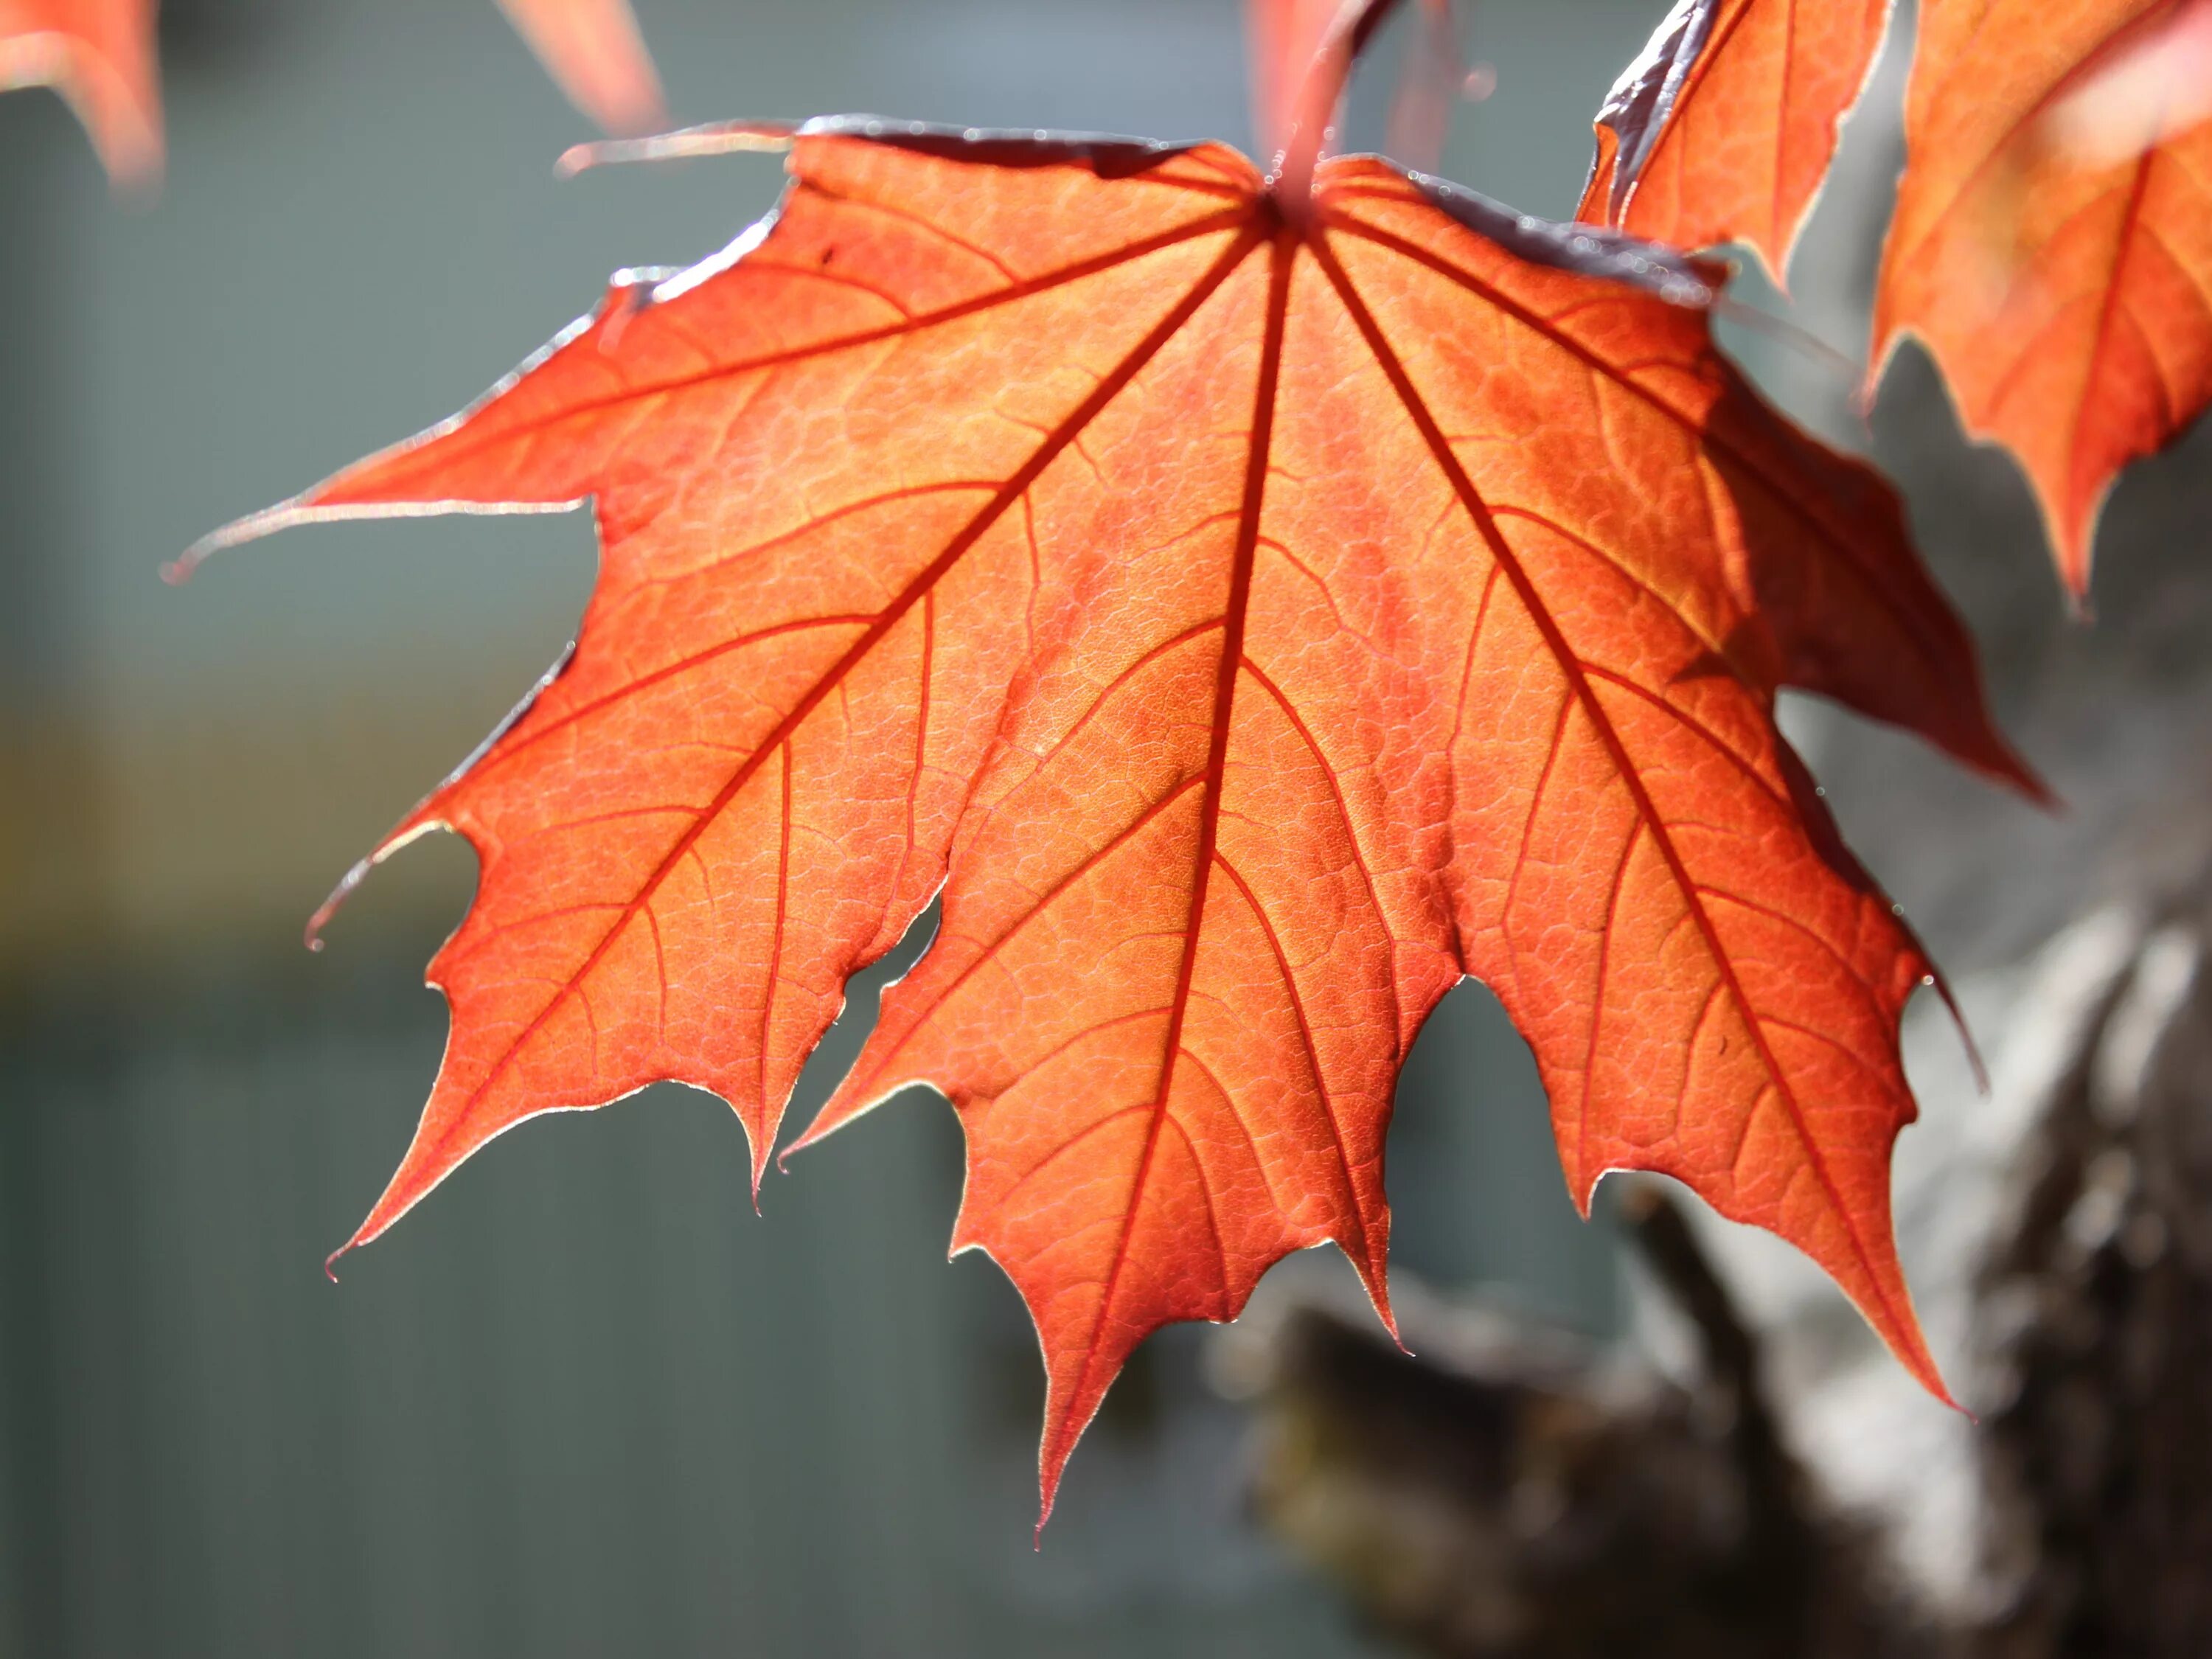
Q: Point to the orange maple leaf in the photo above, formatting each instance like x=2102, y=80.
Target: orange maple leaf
x=1251, y=613
x=99, y=54
x=1724, y=128
x=2052, y=243
x=2053, y=238
x=593, y=50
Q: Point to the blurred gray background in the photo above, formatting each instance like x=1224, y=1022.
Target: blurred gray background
x=583, y=1402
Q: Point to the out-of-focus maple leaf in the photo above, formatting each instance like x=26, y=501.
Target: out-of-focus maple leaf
x=593, y=50
x=2151, y=84
x=1287, y=36
x=2052, y=242
x=1724, y=128
x=2053, y=238
x=99, y=54
x=1252, y=612
x=1430, y=85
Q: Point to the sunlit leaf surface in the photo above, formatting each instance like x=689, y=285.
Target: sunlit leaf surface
x=1252, y=620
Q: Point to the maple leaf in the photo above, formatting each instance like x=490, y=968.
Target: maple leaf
x=2052, y=243
x=99, y=55
x=1252, y=612
x=1724, y=126
x=593, y=50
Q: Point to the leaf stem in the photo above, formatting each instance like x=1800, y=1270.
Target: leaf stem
x=1312, y=114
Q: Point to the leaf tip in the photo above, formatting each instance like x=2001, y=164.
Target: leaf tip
x=806, y=1139
x=179, y=570
x=1582, y=1185
x=1374, y=1278
x=1934, y=1382
x=1936, y=982
x=1048, y=1472
x=252, y=527
x=1886, y=1301
x=2007, y=764
x=842, y=1107
x=312, y=934
x=714, y=138
x=2072, y=550
x=1067, y=1413
x=1890, y=1312
x=2070, y=517
x=595, y=54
